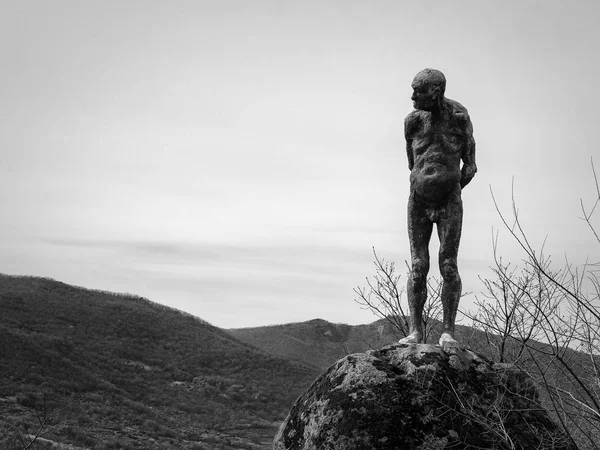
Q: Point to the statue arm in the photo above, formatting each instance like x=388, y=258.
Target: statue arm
x=469, y=168
x=409, y=124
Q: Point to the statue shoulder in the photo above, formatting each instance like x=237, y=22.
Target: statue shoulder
x=457, y=108
x=413, y=121
x=460, y=114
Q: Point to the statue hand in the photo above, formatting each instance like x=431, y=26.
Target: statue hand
x=467, y=173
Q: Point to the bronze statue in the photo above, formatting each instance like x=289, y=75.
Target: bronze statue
x=439, y=134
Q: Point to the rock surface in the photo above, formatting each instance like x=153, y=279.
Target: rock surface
x=418, y=396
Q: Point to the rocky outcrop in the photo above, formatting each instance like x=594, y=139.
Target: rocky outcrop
x=418, y=396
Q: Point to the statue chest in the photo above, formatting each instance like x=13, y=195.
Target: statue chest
x=443, y=136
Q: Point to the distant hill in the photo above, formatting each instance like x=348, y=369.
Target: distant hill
x=317, y=343
x=118, y=371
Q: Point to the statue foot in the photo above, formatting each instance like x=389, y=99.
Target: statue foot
x=412, y=338
x=447, y=341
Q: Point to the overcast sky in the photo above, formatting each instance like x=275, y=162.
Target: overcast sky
x=239, y=159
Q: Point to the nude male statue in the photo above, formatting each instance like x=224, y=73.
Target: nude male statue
x=439, y=134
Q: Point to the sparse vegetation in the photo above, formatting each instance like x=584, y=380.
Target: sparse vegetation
x=383, y=297
x=546, y=320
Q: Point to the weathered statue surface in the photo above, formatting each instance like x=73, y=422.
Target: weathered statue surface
x=439, y=135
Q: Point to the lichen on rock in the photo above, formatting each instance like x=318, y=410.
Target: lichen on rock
x=418, y=396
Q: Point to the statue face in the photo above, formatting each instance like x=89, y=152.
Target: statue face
x=425, y=95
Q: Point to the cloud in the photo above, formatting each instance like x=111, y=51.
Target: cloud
x=282, y=255
x=230, y=285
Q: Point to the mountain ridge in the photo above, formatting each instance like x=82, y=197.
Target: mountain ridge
x=316, y=342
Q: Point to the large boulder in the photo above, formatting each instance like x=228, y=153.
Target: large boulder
x=419, y=396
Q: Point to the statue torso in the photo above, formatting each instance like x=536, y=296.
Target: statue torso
x=437, y=145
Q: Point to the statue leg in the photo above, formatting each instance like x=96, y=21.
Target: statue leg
x=449, y=231
x=419, y=235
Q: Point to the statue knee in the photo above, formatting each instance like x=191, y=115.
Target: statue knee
x=420, y=269
x=449, y=269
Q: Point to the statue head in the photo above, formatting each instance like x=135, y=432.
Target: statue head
x=428, y=86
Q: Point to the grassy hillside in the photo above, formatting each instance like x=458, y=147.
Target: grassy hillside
x=113, y=371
